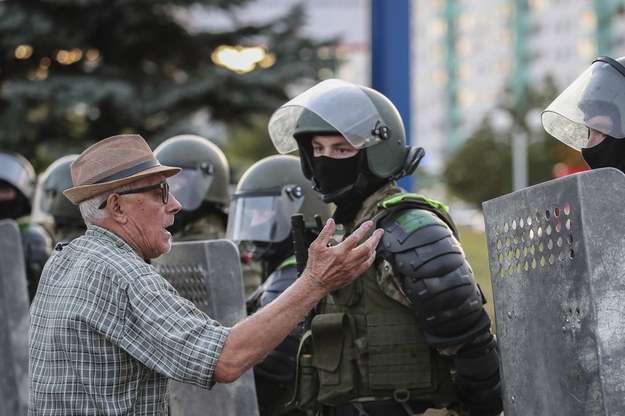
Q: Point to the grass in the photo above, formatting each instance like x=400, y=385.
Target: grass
x=475, y=248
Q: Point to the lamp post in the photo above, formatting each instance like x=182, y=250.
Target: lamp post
x=502, y=122
x=519, y=159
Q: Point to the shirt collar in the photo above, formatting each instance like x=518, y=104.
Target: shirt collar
x=101, y=233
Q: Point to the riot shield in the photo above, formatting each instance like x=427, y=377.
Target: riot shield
x=14, y=306
x=557, y=261
x=209, y=274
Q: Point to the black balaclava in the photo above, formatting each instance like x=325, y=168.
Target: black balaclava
x=16, y=207
x=609, y=153
x=335, y=176
x=346, y=182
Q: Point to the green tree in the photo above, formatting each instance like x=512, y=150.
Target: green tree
x=481, y=168
x=73, y=71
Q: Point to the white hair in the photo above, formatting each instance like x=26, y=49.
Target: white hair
x=89, y=208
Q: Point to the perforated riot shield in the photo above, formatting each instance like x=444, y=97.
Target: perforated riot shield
x=209, y=274
x=557, y=260
x=13, y=322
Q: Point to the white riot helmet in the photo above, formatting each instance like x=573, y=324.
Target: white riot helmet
x=596, y=100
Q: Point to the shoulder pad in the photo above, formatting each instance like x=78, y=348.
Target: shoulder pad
x=416, y=201
x=410, y=228
x=36, y=242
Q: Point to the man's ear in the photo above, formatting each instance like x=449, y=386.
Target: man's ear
x=116, y=208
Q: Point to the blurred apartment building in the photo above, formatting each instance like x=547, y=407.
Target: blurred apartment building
x=467, y=52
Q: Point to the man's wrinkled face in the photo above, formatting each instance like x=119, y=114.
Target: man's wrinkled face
x=148, y=218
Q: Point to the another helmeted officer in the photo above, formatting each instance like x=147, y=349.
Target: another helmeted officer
x=266, y=196
x=201, y=187
x=589, y=115
x=411, y=334
x=51, y=208
x=17, y=186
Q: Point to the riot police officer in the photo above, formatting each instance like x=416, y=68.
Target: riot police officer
x=589, y=114
x=17, y=185
x=411, y=333
x=51, y=208
x=266, y=196
x=201, y=187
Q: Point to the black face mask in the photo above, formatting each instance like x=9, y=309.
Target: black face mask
x=346, y=182
x=14, y=208
x=335, y=177
x=610, y=153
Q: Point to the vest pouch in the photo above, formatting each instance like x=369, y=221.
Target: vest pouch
x=306, y=378
x=308, y=384
x=333, y=340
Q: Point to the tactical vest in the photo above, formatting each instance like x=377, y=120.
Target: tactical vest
x=368, y=345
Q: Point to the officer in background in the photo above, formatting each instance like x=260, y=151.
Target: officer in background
x=589, y=115
x=51, y=208
x=17, y=185
x=201, y=187
x=410, y=335
x=266, y=196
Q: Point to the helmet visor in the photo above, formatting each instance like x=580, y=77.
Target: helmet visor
x=341, y=104
x=191, y=184
x=264, y=215
x=50, y=204
x=594, y=100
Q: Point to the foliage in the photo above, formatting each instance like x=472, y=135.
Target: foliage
x=73, y=71
x=481, y=168
x=253, y=139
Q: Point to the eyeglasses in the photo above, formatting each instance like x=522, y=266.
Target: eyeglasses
x=164, y=187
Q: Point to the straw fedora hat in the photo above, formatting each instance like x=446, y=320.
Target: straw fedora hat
x=110, y=163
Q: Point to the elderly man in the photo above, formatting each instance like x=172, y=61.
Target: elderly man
x=107, y=331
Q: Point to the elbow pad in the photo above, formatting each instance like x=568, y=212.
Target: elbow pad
x=478, y=377
x=435, y=276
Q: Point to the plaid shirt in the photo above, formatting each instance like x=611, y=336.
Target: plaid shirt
x=107, y=332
